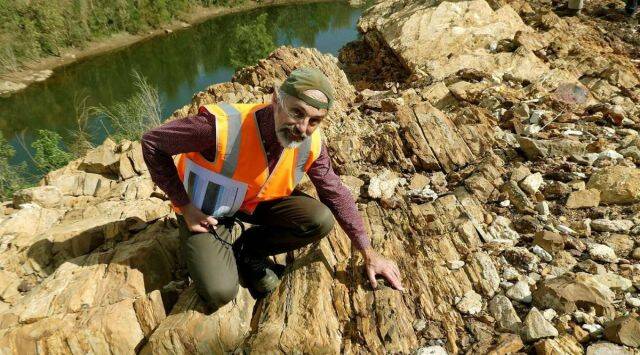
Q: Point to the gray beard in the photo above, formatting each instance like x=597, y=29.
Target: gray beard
x=285, y=142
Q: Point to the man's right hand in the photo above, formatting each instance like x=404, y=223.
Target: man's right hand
x=197, y=221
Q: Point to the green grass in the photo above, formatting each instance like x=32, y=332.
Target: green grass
x=138, y=114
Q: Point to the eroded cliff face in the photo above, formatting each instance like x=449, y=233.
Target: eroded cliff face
x=495, y=163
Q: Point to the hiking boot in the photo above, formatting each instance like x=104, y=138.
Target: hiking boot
x=257, y=273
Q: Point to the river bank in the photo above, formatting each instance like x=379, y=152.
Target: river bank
x=42, y=68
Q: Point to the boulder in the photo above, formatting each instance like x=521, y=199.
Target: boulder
x=605, y=348
x=624, y=331
x=621, y=244
x=601, y=252
x=549, y=241
x=570, y=292
x=535, y=327
x=188, y=329
x=520, y=292
x=470, y=303
x=45, y=196
x=502, y=310
x=608, y=225
x=102, y=160
x=617, y=184
x=431, y=350
x=540, y=148
x=614, y=281
x=584, y=199
x=445, y=38
x=532, y=183
x=564, y=344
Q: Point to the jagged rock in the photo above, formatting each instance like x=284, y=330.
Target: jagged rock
x=431, y=350
x=539, y=148
x=601, y=252
x=624, y=330
x=449, y=242
x=584, y=199
x=541, y=253
x=506, y=344
x=353, y=184
x=563, y=262
x=621, y=244
x=549, y=241
x=632, y=152
x=532, y=183
x=614, y=281
x=617, y=184
x=615, y=226
x=570, y=292
x=45, y=196
x=521, y=258
x=593, y=329
x=501, y=228
x=419, y=182
x=411, y=30
x=564, y=344
x=102, y=160
x=543, y=208
x=605, y=348
x=114, y=328
x=470, y=303
x=632, y=301
x=383, y=185
x=502, y=310
x=29, y=221
x=483, y=274
x=536, y=327
x=519, y=172
x=520, y=292
x=187, y=330
x=518, y=197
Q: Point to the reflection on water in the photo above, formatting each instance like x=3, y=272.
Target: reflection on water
x=179, y=65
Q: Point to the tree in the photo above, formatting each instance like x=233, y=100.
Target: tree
x=251, y=42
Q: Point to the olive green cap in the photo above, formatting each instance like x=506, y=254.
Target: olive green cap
x=303, y=79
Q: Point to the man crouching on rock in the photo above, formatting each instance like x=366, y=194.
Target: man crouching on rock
x=243, y=161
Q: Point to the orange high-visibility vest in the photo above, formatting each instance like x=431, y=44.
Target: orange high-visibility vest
x=241, y=157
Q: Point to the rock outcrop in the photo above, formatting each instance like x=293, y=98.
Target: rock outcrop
x=489, y=173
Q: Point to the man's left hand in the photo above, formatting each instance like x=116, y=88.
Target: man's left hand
x=376, y=264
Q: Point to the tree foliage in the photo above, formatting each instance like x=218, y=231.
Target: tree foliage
x=251, y=42
x=49, y=153
x=30, y=29
x=11, y=176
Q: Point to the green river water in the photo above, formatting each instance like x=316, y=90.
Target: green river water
x=178, y=65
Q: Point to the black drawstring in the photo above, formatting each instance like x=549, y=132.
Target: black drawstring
x=227, y=222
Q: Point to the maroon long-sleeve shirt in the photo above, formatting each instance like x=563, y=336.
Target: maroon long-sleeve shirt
x=198, y=134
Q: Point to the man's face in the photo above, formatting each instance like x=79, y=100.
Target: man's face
x=296, y=120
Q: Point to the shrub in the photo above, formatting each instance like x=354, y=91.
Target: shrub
x=80, y=138
x=11, y=176
x=49, y=155
x=141, y=112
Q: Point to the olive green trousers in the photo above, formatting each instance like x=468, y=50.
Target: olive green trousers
x=279, y=226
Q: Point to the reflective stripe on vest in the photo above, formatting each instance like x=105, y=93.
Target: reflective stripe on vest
x=241, y=157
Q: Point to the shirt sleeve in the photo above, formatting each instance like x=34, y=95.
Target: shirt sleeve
x=338, y=198
x=190, y=134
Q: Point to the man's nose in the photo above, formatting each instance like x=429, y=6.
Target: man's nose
x=303, y=125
